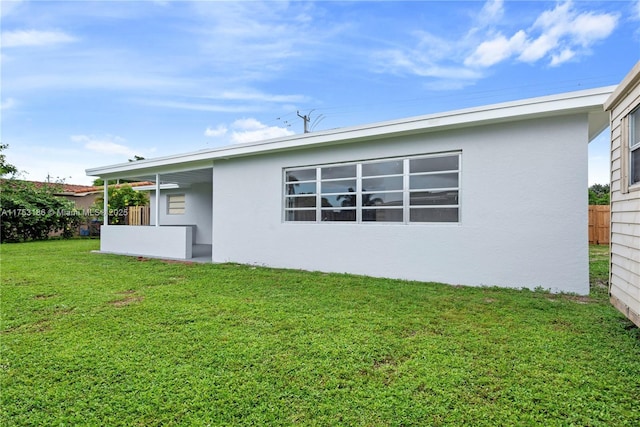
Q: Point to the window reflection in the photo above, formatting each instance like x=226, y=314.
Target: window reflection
x=343, y=186
x=433, y=164
x=382, y=184
x=301, y=175
x=335, y=172
x=443, y=180
x=382, y=168
x=434, y=198
x=376, y=191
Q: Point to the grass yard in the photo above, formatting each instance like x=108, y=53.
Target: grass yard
x=95, y=339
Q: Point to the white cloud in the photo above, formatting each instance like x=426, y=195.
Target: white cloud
x=561, y=57
x=7, y=104
x=496, y=50
x=537, y=49
x=589, y=28
x=65, y=163
x=492, y=12
x=34, y=38
x=8, y=6
x=197, y=106
x=218, y=131
x=255, y=39
x=434, y=57
x=253, y=95
x=231, y=101
x=252, y=130
x=559, y=34
x=109, y=144
x=247, y=130
x=636, y=10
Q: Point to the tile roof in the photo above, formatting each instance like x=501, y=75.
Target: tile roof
x=75, y=189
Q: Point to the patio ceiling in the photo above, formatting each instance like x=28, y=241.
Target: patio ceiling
x=181, y=178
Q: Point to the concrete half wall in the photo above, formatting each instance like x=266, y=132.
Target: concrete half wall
x=174, y=242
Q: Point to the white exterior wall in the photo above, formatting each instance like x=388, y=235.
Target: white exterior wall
x=625, y=214
x=197, y=210
x=523, y=205
x=162, y=242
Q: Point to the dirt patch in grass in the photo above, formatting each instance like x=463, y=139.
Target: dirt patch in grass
x=580, y=299
x=44, y=296
x=127, y=301
x=166, y=261
x=384, y=362
x=176, y=261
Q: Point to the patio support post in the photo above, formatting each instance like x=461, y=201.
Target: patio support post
x=157, y=200
x=105, y=207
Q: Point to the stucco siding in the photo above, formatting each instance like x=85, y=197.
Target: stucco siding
x=163, y=242
x=523, y=218
x=197, y=210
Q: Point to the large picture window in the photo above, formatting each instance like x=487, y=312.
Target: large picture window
x=420, y=189
x=634, y=147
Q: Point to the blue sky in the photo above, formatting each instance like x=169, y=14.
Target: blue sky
x=92, y=83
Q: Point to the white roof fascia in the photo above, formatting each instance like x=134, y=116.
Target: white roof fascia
x=585, y=101
x=162, y=187
x=630, y=80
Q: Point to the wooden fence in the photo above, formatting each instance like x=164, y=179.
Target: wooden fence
x=138, y=215
x=599, y=223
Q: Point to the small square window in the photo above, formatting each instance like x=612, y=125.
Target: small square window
x=176, y=204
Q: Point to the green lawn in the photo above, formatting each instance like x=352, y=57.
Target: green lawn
x=103, y=340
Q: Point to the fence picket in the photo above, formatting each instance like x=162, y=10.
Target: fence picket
x=599, y=224
x=139, y=215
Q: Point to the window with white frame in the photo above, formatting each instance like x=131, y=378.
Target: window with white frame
x=176, y=204
x=420, y=189
x=634, y=146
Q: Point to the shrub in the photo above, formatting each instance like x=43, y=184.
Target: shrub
x=31, y=212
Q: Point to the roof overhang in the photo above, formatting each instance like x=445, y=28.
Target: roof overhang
x=588, y=102
x=631, y=79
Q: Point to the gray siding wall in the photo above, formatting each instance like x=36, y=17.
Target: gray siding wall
x=625, y=216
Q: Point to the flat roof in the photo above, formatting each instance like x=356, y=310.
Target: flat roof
x=589, y=101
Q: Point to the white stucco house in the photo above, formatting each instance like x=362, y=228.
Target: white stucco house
x=494, y=196
x=624, y=281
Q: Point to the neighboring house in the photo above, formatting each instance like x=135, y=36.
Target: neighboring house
x=624, y=105
x=86, y=196
x=83, y=196
x=491, y=196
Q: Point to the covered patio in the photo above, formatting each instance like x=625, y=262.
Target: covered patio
x=181, y=216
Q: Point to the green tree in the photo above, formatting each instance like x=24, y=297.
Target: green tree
x=6, y=168
x=31, y=212
x=599, y=194
x=120, y=198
